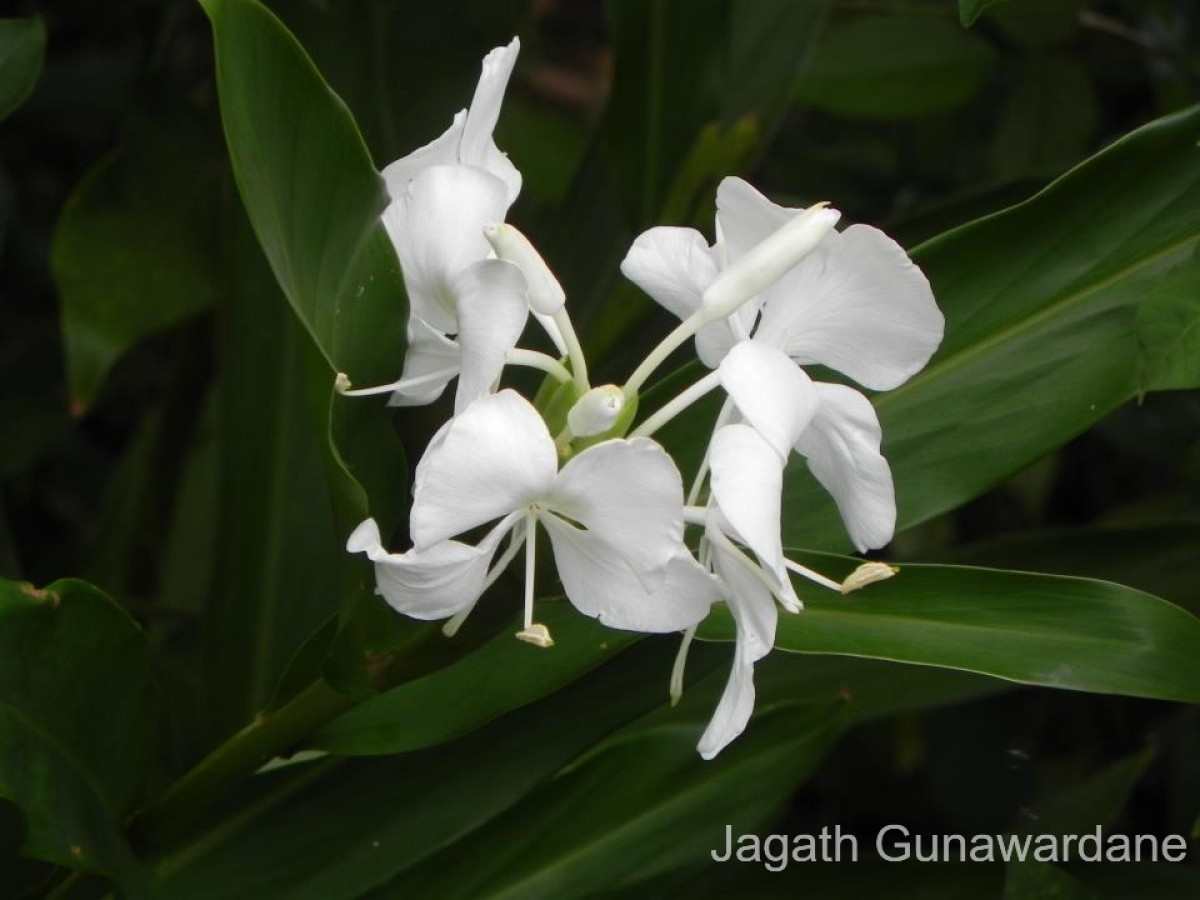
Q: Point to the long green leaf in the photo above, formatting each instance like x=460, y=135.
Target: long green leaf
x=77, y=722
x=645, y=806
x=1035, y=629
x=22, y=46
x=1040, y=303
x=311, y=190
x=342, y=831
x=501, y=676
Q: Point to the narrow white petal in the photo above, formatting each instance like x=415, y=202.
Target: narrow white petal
x=770, y=391
x=437, y=227
x=747, y=481
x=436, y=583
x=478, y=148
x=755, y=617
x=733, y=710
x=842, y=448
x=599, y=584
x=430, y=363
x=629, y=494
x=492, y=459
x=859, y=305
x=745, y=217
x=441, y=151
x=673, y=266
x=490, y=299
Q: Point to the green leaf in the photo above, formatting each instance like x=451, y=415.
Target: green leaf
x=22, y=46
x=1034, y=629
x=278, y=553
x=1168, y=332
x=338, y=832
x=133, y=249
x=311, y=190
x=885, y=68
x=77, y=722
x=501, y=676
x=1040, y=302
x=314, y=200
x=643, y=806
x=970, y=10
x=1156, y=559
x=1097, y=802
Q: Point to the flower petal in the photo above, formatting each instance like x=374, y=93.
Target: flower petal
x=437, y=227
x=859, y=305
x=755, y=616
x=770, y=391
x=490, y=299
x=431, y=362
x=492, y=459
x=842, y=448
x=672, y=265
x=745, y=217
x=478, y=148
x=747, y=482
x=436, y=583
x=714, y=340
x=629, y=494
x=599, y=584
x=441, y=151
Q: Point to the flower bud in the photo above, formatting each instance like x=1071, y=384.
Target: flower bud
x=546, y=296
x=767, y=262
x=596, y=411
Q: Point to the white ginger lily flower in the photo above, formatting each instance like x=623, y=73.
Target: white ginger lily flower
x=466, y=308
x=856, y=303
x=614, y=514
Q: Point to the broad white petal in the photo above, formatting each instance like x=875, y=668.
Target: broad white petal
x=770, y=391
x=437, y=227
x=492, y=459
x=629, y=494
x=842, y=448
x=599, y=584
x=755, y=616
x=745, y=217
x=859, y=305
x=436, y=583
x=430, y=363
x=478, y=148
x=672, y=265
x=490, y=299
x=441, y=151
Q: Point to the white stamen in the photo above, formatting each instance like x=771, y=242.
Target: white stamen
x=532, y=359
x=536, y=634
x=342, y=384
x=811, y=575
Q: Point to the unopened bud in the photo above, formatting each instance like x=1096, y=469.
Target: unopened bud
x=546, y=296
x=536, y=634
x=867, y=573
x=767, y=261
x=596, y=411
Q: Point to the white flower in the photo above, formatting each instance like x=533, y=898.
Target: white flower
x=856, y=303
x=614, y=515
x=466, y=308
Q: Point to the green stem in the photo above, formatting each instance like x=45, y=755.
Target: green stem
x=268, y=736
